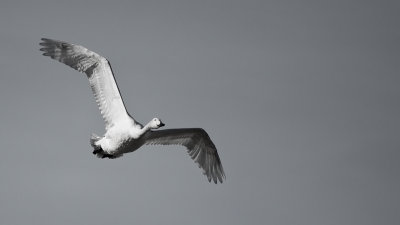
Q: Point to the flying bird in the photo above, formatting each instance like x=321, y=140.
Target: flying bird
x=123, y=133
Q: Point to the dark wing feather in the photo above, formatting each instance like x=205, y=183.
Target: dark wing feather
x=199, y=146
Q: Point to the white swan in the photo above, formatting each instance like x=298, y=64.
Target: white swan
x=123, y=133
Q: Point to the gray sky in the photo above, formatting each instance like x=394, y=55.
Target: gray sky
x=300, y=97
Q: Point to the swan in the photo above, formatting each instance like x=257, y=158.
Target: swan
x=123, y=133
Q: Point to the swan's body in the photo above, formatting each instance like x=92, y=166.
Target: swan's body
x=123, y=133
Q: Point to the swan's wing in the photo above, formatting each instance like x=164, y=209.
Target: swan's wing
x=199, y=146
x=99, y=73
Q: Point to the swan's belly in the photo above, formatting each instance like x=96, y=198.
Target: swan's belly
x=119, y=146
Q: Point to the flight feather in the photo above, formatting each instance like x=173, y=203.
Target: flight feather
x=99, y=73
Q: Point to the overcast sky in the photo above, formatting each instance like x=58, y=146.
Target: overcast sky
x=301, y=99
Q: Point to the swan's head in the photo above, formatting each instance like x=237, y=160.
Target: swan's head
x=156, y=123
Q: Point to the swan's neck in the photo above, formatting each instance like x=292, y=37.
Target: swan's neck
x=144, y=129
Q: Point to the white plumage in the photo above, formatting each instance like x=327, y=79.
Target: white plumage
x=123, y=133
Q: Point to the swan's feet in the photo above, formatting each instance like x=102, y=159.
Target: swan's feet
x=97, y=151
x=102, y=154
x=105, y=155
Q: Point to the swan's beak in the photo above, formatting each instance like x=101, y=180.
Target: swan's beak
x=162, y=124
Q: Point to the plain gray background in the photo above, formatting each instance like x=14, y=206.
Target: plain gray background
x=300, y=97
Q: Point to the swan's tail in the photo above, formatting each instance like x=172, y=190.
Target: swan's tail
x=93, y=139
x=97, y=150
